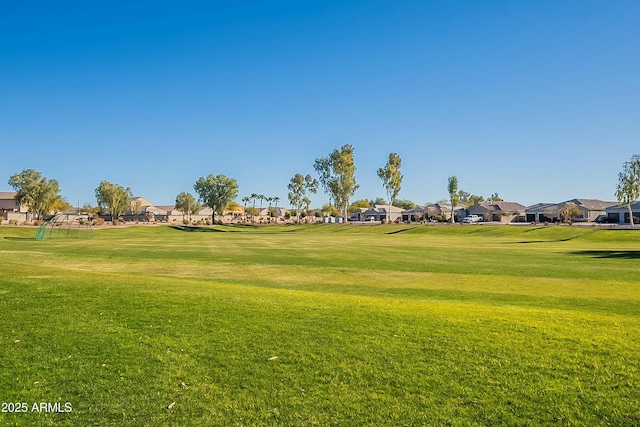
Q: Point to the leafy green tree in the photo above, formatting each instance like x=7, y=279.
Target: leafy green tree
x=391, y=179
x=495, y=197
x=628, y=187
x=404, y=204
x=569, y=211
x=88, y=208
x=463, y=196
x=330, y=210
x=299, y=188
x=135, y=205
x=252, y=211
x=474, y=200
x=296, y=192
x=322, y=166
x=358, y=204
x=337, y=176
x=62, y=205
x=216, y=192
x=232, y=207
x=187, y=204
x=35, y=191
x=468, y=198
x=115, y=198
x=452, y=187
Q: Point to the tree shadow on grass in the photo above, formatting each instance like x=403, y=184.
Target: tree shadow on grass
x=195, y=228
x=19, y=238
x=402, y=230
x=609, y=254
x=568, y=239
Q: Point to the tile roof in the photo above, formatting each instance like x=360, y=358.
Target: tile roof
x=7, y=195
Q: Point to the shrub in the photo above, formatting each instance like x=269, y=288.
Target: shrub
x=1, y=219
x=98, y=221
x=13, y=221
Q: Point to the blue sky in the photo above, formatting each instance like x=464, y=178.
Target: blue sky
x=535, y=100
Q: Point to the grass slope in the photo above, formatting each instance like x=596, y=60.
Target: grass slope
x=322, y=325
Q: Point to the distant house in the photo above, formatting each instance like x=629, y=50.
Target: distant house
x=498, y=211
x=10, y=208
x=8, y=202
x=278, y=212
x=590, y=209
x=142, y=206
x=619, y=213
x=542, y=212
x=377, y=213
x=442, y=211
x=414, y=215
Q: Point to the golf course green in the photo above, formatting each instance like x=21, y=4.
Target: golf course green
x=321, y=325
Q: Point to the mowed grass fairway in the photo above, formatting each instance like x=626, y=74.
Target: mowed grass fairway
x=323, y=325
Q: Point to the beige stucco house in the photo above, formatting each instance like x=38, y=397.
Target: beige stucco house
x=10, y=208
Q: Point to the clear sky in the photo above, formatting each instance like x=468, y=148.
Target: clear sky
x=536, y=100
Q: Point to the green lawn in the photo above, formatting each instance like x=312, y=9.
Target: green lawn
x=322, y=325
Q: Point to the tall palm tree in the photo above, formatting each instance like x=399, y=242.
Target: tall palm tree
x=245, y=200
x=262, y=198
x=269, y=199
x=276, y=199
x=254, y=196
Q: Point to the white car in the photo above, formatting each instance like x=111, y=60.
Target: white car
x=471, y=219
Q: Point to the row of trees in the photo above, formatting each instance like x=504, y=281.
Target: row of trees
x=336, y=175
x=214, y=191
x=262, y=198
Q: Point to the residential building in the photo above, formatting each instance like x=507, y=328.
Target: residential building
x=414, y=215
x=10, y=208
x=442, y=211
x=619, y=213
x=590, y=209
x=498, y=211
x=542, y=212
x=377, y=213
